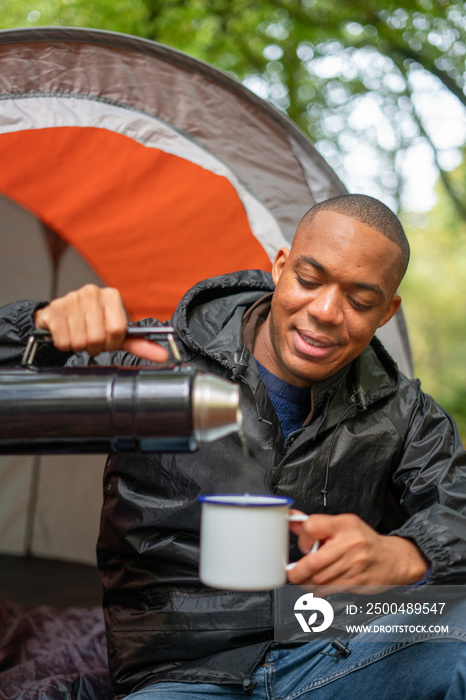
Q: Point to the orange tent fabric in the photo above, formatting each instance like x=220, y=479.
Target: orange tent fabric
x=143, y=219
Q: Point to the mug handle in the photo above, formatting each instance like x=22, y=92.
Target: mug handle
x=300, y=518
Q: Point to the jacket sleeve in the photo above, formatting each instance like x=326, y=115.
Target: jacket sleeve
x=16, y=325
x=432, y=477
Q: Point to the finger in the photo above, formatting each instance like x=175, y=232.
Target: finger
x=311, y=566
x=115, y=318
x=87, y=323
x=340, y=571
x=317, y=527
x=331, y=561
x=146, y=349
x=346, y=560
x=299, y=515
x=323, y=527
x=54, y=318
x=297, y=524
x=39, y=318
x=98, y=320
x=347, y=550
x=81, y=312
x=69, y=318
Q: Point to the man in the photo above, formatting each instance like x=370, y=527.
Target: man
x=329, y=421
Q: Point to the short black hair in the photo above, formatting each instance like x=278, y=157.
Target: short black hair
x=369, y=211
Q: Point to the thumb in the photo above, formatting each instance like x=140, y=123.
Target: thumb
x=146, y=349
x=318, y=526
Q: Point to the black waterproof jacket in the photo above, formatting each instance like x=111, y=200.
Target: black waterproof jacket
x=377, y=444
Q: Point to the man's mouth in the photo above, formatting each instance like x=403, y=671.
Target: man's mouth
x=319, y=341
x=313, y=345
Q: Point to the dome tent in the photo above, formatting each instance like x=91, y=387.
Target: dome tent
x=133, y=165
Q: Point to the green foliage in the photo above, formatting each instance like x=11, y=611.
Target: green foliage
x=116, y=15
x=434, y=302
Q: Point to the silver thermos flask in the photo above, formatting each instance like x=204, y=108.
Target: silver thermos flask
x=98, y=409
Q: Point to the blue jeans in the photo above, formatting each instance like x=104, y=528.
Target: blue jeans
x=417, y=668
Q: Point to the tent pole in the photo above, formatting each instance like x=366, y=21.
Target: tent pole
x=32, y=505
x=55, y=252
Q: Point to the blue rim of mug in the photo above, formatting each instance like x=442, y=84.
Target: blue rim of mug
x=231, y=499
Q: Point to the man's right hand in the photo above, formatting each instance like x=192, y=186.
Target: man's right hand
x=93, y=320
x=352, y=553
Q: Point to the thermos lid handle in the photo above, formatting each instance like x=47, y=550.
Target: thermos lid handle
x=36, y=338
x=155, y=333
x=40, y=336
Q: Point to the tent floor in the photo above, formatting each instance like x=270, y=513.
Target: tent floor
x=34, y=581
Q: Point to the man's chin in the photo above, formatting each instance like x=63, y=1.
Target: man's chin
x=309, y=371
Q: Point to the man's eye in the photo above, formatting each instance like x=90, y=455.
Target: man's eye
x=359, y=306
x=307, y=283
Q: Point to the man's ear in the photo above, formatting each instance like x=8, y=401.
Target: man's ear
x=392, y=308
x=279, y=263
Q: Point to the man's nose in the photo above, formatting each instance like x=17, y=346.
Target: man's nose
x=327, y=306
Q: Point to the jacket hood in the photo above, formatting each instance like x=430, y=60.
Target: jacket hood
x=210, y=314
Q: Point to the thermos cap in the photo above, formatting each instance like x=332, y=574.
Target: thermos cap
x=216, y=407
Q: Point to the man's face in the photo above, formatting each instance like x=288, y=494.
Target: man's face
x=333, y=290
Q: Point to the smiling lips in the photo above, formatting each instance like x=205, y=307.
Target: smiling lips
x=313, y=345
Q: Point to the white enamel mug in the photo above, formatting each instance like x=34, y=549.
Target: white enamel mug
x=245, y=541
